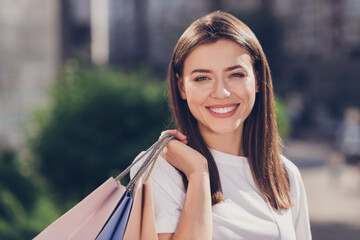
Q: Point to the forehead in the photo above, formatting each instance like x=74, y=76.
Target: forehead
x=219, y=55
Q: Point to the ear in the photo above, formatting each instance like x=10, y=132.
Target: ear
x=181, y=87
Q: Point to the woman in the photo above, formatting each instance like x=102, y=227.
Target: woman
x=224, y=177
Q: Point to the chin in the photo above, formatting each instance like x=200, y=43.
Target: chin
x=221, y=128
x=224, y=129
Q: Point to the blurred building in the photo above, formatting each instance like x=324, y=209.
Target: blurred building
x=74, y=28
x=147, y=30
x=320, y=28
x=313, y=28
x=36, y=37
x=29, y=60
x=322, y=41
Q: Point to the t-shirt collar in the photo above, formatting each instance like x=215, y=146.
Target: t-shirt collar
x=227, y=158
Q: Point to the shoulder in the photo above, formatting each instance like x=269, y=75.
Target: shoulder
x=295, y=180
x=165, y=179
x=297, y=188
x=162, y=169
x=168, y=193
x=299, y=210
x=292, y=169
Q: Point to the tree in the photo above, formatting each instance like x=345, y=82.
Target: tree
x=17, y=197
x=98, y=122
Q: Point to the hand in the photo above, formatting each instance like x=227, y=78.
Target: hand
x=183, y=157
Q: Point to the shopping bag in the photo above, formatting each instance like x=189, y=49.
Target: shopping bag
x=133, y=217
x=111, y=200
x=115, y=227
x=141, y=223
x=86, y=219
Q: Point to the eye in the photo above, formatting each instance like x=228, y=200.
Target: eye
x=238, y=75
x=201, y=78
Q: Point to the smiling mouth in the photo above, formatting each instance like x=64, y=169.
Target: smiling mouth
x=223, y=110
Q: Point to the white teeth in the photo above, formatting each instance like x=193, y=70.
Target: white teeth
x=222, y=110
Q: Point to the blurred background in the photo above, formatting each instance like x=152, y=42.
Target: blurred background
x=82, y=92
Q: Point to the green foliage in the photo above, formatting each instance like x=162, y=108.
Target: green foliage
x=97, y=123
x=43, y=213
x=17, y=197
x=13, y=186
x=19, y=224
x=282, y=118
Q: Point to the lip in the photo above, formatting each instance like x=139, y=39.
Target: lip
x=223, y=115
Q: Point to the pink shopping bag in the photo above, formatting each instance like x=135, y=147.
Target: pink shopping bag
x=86, y=219
x=91, y=216
x=141, y=224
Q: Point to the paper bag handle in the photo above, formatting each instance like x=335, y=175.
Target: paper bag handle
x=153, y=153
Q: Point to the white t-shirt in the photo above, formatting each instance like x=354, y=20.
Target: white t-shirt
x=244, y=214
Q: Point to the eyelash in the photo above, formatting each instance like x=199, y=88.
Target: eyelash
x=241, y=75
x=201, y=78
x=236, y=75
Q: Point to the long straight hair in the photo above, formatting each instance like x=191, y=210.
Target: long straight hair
x=261, y=143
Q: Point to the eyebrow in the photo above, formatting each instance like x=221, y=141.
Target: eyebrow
x=233, y=67
x=209, y=71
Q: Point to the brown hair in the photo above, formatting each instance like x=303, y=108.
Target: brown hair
x=261, y=143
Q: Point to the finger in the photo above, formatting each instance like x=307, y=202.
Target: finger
x=167, y=132
x=179, y=136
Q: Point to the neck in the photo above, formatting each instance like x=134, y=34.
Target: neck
x=230, y=143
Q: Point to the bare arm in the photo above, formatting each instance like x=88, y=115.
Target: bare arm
x=196, y=220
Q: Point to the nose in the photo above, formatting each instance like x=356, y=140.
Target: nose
x=220, y=89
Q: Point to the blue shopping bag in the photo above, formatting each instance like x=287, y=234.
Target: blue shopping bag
x=116, y=225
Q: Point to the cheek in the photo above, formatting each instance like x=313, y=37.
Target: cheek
x=246, y=89
x=251, y=90
x=196, y=95
x=251, y=95
x=196, y=99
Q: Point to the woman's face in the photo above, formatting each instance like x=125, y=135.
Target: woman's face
x=219, y=85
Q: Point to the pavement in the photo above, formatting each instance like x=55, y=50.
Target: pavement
x=333, y=189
